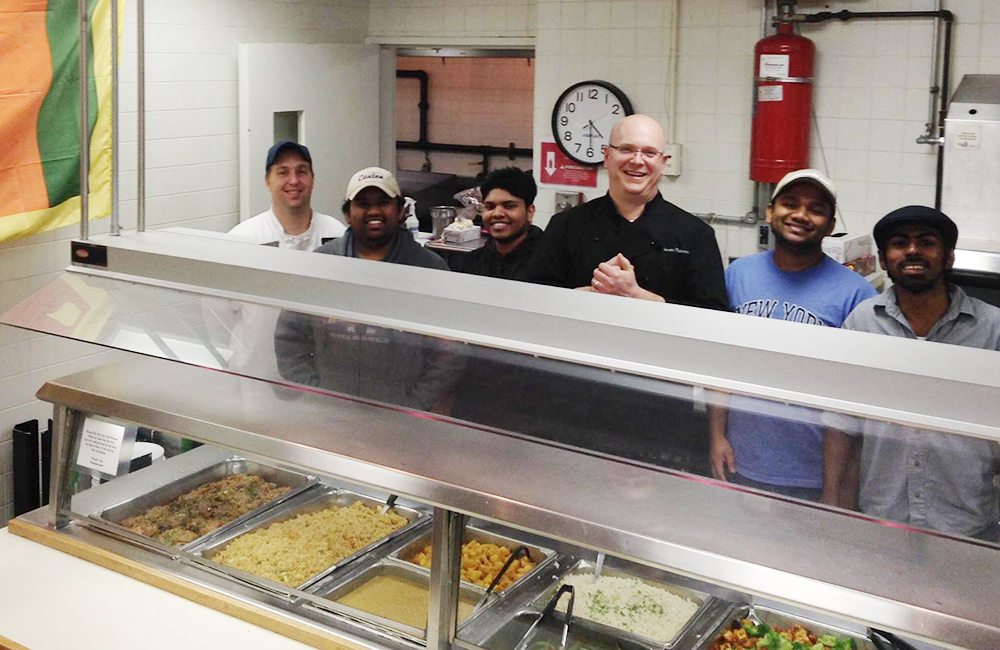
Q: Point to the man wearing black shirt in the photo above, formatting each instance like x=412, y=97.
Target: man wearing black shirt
x=631, y=242
x=508, y=206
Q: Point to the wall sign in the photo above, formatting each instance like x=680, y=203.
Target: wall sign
x=557, y=168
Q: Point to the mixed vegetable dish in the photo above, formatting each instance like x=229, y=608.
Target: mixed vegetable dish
x=748, y=633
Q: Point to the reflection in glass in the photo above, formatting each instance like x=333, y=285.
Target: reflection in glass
x=926, y=479
x=367, y=361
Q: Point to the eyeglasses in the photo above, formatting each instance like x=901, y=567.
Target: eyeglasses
x=628, y=151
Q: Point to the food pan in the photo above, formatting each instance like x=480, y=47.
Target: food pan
x=541, y=556
x=111, y=518
x=318, y=498
x=548, y=635
x=700, y=619
x=780, y=619
x=328, y=595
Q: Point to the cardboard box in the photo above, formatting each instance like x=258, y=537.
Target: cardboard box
x=847, y=247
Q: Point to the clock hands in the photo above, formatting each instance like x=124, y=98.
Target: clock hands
x=591, y=130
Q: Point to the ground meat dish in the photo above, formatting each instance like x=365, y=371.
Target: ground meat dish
x=204, y=509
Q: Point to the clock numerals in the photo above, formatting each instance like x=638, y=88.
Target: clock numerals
x=583, y=117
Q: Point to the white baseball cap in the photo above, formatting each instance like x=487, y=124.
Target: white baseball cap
x=811, y=176
x=373, y=177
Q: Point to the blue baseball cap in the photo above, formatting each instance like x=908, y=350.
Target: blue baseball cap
x=283, y=146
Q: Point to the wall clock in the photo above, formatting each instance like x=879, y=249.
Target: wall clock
x=583, y=116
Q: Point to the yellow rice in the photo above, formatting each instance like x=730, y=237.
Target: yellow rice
x=293, y=551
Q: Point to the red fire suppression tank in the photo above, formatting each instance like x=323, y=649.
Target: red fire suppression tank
x=783, y=76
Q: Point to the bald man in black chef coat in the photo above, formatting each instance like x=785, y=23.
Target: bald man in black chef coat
x=631, y=242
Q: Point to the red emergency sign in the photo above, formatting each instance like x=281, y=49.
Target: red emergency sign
x=558, y=169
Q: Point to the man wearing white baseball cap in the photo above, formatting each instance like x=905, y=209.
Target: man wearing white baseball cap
x=760, y=444
x=373, y=209
x=363, y=360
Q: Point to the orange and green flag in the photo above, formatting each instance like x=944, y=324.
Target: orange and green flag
x=40, y=114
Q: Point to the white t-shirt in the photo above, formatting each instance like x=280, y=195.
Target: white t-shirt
x=267, y=227
x=251, y=327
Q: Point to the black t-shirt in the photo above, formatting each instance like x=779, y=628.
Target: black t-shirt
x=674, y=253
x=488, y=262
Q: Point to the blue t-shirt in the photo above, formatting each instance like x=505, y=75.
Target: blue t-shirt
x=778, y=443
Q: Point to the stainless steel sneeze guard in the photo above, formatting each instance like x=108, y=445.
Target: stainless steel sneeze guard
x=941, y=387
x=913, y=583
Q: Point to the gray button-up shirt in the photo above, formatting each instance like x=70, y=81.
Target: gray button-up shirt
x=925, y=478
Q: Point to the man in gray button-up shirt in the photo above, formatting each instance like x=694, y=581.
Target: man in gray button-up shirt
x=923, y=478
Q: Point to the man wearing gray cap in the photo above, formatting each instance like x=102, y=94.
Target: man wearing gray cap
x=926, y=479
x=757, y=443
x=362, y=360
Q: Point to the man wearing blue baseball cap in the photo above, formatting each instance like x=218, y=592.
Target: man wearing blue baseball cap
x=926, y=479
x=291, y=221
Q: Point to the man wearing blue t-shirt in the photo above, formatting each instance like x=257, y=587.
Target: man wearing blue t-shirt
x=767, y=445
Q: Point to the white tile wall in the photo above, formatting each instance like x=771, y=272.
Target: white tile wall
x=192, y=162
x=870, y=95
x=627, y=43
x=452, y=18
x=472, y=101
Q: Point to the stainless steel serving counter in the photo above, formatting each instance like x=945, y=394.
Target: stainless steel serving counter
x=91, y=599
x=922, y=585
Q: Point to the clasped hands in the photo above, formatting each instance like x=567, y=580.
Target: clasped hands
x=616, y=277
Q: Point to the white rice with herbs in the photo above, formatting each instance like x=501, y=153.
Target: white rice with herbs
x=629, y=604
x=293, y=551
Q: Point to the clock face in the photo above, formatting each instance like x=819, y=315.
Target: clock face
x=583, y=117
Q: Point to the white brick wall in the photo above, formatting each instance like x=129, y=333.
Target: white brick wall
x=191, y=158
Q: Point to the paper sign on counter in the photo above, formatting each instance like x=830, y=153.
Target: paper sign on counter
x=101, y=446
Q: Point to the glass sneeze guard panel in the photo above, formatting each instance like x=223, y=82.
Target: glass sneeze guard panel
x=940, y=482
